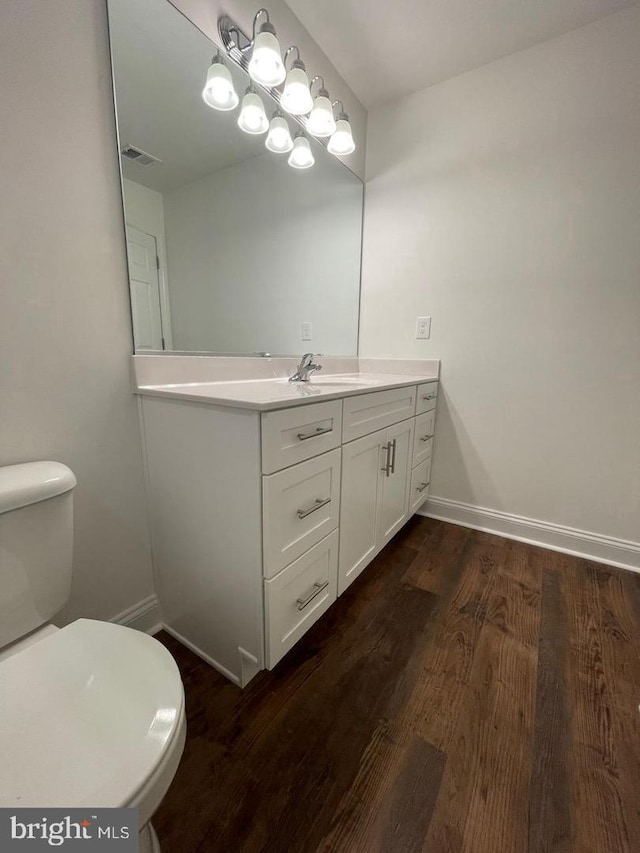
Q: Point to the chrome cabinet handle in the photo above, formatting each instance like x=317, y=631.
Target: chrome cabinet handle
x=429, y=396
x=317, y=589
x=318, y=503
x=393, y=456
x=316, y=432
x=387, y=466
x=421, y=487
x=426, y=437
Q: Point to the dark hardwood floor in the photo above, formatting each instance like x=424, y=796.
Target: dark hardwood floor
x=467, y=693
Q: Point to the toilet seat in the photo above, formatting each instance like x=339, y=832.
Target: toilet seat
x=91, y=716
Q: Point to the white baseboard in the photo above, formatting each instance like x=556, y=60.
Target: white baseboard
x=591, y=546
x=143, y=616
x=214, y=663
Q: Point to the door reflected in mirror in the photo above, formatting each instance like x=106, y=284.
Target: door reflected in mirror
x=230, y=249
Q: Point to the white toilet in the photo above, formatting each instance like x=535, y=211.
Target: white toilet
x=91, y=714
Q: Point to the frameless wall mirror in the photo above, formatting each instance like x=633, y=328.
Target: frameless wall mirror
x=230, y=249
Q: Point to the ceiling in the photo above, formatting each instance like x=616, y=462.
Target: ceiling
x=160, y=63
x=388, y=49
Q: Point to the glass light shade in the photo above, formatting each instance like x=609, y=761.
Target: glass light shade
x=279, y=137
x=252, y=118
x=301, y=156
x=321, y=121
x=342, y=140
x=296, y=97
x=218, y=91
x=266, y=66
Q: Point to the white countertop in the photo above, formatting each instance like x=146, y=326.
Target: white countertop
x=267, y=394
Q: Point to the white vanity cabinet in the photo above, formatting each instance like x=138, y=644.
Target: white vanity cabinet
x=375, y=495
x=261, y=519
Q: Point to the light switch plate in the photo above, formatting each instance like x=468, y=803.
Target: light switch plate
x=423, y=328
x=306, y=331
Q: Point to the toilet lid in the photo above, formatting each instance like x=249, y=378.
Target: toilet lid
x=86, y=716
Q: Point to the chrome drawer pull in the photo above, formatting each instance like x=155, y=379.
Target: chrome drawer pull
x=426, y=437
x=316, y=432
x=317, y=589
x=429, y=396
x=387, y=466
x=318, y=503
x=393, y=456
x=421, y=487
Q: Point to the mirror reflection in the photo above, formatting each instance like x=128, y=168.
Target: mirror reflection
x=230, y=249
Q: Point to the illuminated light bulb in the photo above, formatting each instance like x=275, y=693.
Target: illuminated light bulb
x=321, y=121
x=301, y=156
x=219, y=91
x=279, y=137
x=296, y=97
x=266, y=66
x=341, y=141
x=252, y=118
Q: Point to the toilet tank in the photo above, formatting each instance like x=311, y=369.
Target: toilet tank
x=36, y=544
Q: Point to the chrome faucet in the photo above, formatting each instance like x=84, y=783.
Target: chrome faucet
x=305, y=367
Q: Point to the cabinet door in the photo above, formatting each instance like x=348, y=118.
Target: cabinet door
x=395, y=481
x=360, y=505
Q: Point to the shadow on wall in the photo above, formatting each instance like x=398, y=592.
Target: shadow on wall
x=456, y=460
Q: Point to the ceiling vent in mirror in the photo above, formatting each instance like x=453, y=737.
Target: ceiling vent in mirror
x=139, y=156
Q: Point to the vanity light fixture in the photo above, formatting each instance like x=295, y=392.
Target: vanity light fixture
x=296, y=96
x=321, y=121
x=219, y=91
x=260, y=57
x=341, y=141
x=266, y=66
x=301, y=156
x=279, y=137
x=252, y=118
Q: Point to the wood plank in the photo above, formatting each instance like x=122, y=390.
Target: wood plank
x=441, y=673
x=414, y=797
x=621, y=665
x=598, y=799
x=439, y=552
x=485, y=787
x=449, y=658
x=550, y=809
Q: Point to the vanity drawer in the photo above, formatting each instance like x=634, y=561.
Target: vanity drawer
x=427, y=395
x=298, y=596
x=292, y=435
x=300, y=506
x=366, y=413
x=420, y=478
x=423, y=436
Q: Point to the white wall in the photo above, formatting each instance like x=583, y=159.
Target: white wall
x=65, y=334
x=506, y=204
x=307, y=225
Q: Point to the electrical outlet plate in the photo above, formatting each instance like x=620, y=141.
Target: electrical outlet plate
x=306, y=331
x=423, y=328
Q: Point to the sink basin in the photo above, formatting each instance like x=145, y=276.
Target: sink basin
x=337, y=381
x=341, y=380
